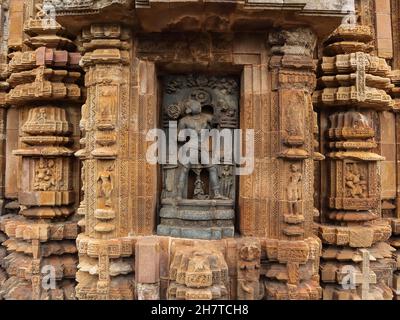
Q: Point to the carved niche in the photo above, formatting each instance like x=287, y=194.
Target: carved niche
x=354, y=180
x=198, y=198
x=46, y=159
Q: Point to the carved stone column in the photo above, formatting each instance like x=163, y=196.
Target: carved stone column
x=395, y=240
x=41, y=246
x=352, y=91
x=293, y=81
x=3, y=112
x=104, y=270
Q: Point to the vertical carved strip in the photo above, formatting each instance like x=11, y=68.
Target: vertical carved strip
x=42, y=235
x=292, y=140
x=246, y=201
x=106, y=156
x=144, y=176
x=4, y=34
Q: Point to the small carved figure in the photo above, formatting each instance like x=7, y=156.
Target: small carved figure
x=359, y=120
x=355, y=182
x=46, y=13
x=41, y=116
x=226, y=181
x=106, y=186
x=294, y=189
x=85, y=116
x=41, y=12
x=350, y=19
x=223, y=105
x=294, y=116
x=107, y=104
x=44, y=177
x=199, y=193
x=228, y=114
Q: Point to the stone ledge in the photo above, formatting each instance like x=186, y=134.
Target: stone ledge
x=355, y=237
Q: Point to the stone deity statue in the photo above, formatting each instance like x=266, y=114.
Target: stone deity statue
x=197, y=120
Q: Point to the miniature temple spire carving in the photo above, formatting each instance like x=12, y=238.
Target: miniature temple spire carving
x=43, y=86
x=352, y=89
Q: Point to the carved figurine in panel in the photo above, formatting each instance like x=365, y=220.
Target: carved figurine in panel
x=106, y=187
x=356, y=184
x=107, y=107
x=44, y=175
x=354, y=167
x=105, y=212
x=293, y=210
x=293, y=189
x=295, y=107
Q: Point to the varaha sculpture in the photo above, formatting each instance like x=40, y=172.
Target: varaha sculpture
x=311, y=91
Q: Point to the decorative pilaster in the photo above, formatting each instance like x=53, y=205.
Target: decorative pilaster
x=353, y=90
x=41, y=260
x=3, y=111
x=395, y=219
x=105, y=268
x=293, y=81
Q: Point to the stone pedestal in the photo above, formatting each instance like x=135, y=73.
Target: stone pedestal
x=201, y=219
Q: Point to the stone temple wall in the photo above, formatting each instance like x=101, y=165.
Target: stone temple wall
x=86, y=215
